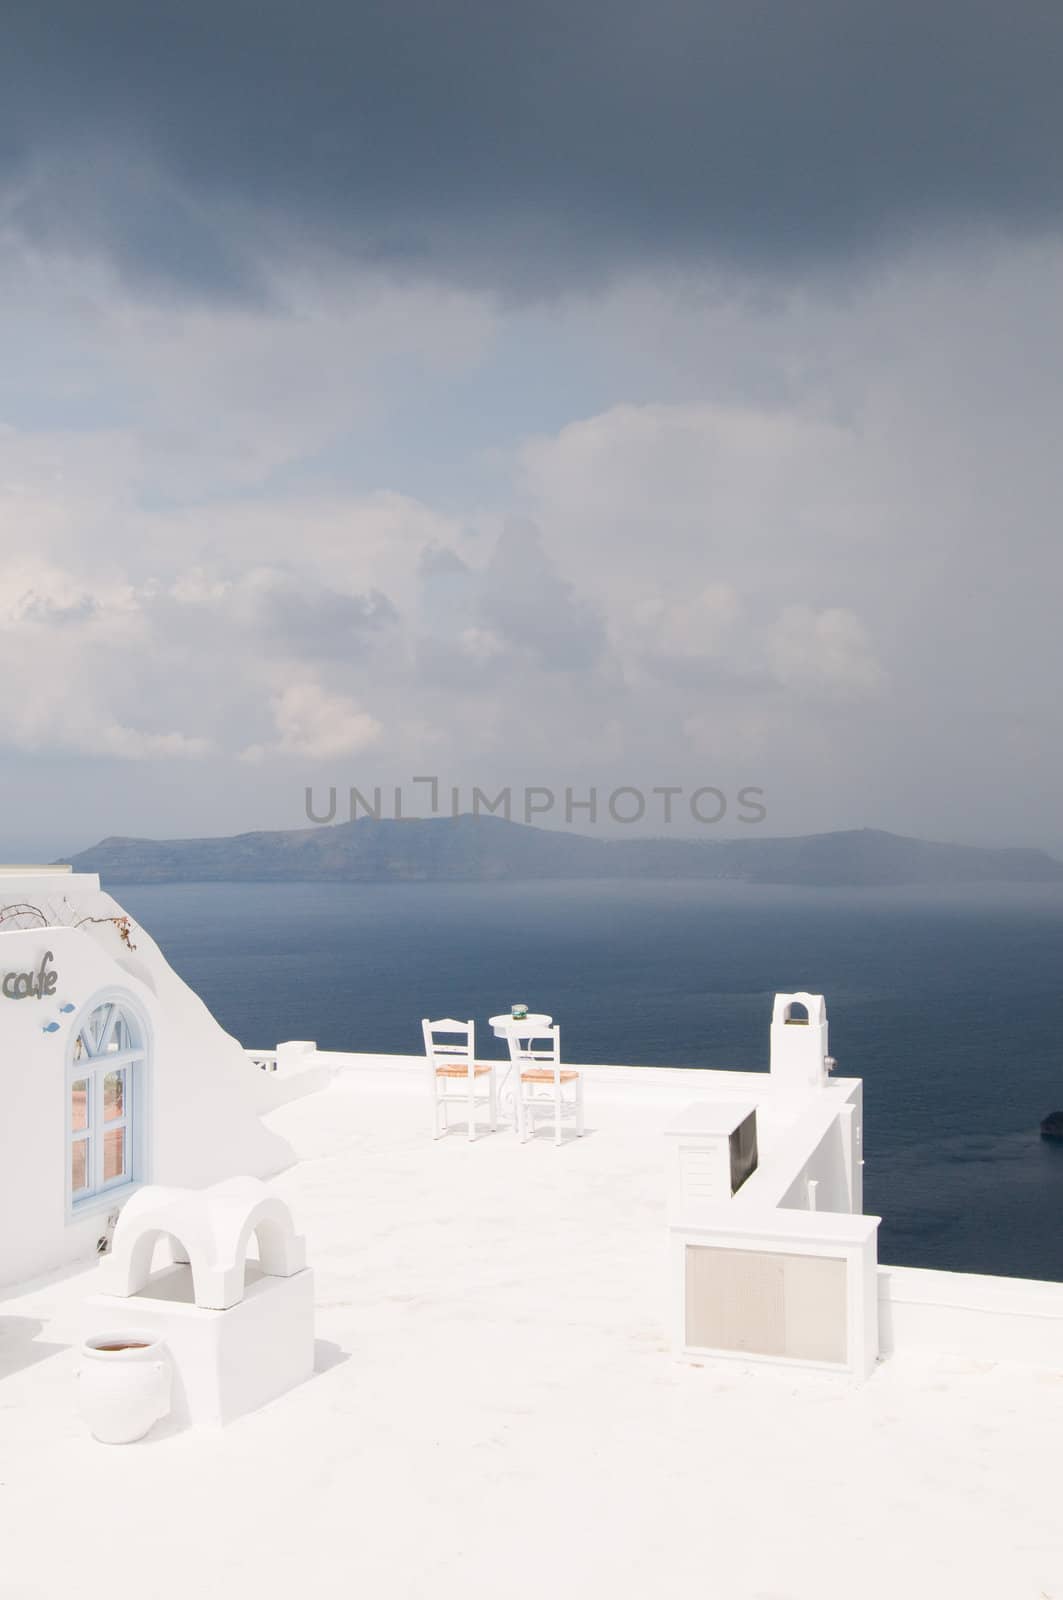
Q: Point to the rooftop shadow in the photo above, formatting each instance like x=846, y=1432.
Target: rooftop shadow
x=19, y=1345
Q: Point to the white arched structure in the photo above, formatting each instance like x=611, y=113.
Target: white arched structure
x=211, y=1230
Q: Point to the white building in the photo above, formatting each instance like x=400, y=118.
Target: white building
x=114, y=1074
x=661, y=1359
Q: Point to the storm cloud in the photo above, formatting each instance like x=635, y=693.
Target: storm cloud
x=574, y=394
x=523, y=148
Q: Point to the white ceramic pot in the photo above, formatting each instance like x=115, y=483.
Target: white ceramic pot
x=124, y=1385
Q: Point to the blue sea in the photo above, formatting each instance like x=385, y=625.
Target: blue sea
x=947, y=1003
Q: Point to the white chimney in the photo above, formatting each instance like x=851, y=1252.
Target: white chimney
x=799, y=1042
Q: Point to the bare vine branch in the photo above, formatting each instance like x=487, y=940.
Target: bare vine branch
x=23, y=908
x=123, y=924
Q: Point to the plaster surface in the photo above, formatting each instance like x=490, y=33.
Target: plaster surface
x=495, y=1409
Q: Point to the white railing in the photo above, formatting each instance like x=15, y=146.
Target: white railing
x=264, y=1060
x=290, y=1070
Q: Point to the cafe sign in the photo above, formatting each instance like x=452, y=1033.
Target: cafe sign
x=39, y=985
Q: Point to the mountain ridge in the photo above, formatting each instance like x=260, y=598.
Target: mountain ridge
x=471, y=848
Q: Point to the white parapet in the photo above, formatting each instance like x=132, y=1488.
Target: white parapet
x=292, y=1069
x=986, y=1319
x=293, y=1054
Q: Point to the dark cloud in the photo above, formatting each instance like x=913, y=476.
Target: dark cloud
x=523, y=147
x=160, y=233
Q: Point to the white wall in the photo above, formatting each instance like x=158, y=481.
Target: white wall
x=784, y=1245
x=291, y=1071
x=199, y=1118
x=989, y=1319
x=829, y=1167
x=820, y=1138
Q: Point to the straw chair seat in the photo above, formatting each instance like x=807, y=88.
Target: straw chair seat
x=460, y=1069
x=546, y=1075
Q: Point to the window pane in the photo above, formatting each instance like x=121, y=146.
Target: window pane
x=113, y=1154
x=79, y=1105
x=79, y=1165
x=113, y=1096
x=95, y=1028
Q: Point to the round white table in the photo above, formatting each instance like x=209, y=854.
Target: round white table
x=509, y=1027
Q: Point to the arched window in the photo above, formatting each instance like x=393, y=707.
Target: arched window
x=797, y=1014
x=106, y=1083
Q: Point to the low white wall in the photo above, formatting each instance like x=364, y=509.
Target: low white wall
x=669, y=1083
x=635, y=1085
x=989, y=1319
x=289, y=1072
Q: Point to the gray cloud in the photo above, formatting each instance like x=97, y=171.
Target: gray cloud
x=53, y=612
x=706, y=676
x=496, y=624
x=524, y=147
x=535, y=610
x=314, y=622
x=439, y=561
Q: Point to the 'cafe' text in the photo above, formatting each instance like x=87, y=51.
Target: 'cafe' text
x=37, y=985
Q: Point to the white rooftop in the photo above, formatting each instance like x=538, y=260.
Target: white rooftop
x=496, y=1409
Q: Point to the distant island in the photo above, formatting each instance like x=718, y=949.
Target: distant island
x=486, y=849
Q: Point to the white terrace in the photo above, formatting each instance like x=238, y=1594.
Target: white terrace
x=510, y=1395
x=497, y=1407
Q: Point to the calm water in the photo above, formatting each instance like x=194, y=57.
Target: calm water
x=948, y=1005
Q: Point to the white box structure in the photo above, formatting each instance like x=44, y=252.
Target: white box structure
x=239, y=1332
x=714, y=1152
x=772, y=1259
x=796, y=1288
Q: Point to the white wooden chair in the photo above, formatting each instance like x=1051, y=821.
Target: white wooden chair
x=543, y=1084
x=450, y=1049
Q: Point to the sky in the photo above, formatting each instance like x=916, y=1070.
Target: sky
x=570, y=397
